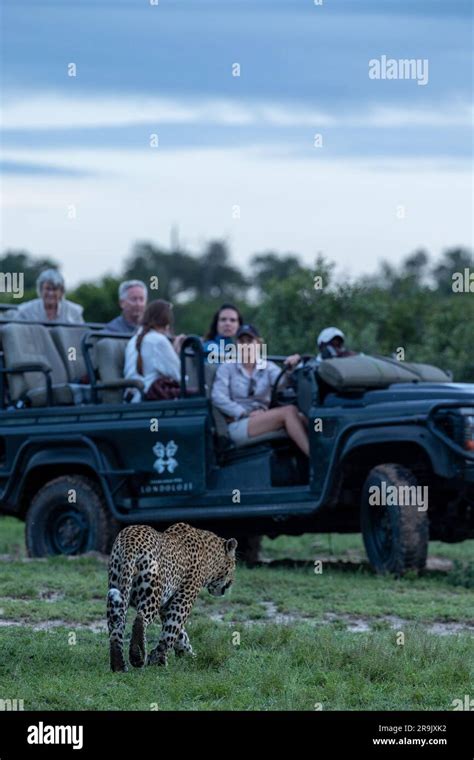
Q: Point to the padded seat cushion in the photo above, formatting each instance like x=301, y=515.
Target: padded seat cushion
x=110, y=358
x=359, y=372
x=209, y=375
x=427, y=373
x=68, y=343
x=69, y=393
x=34, y=344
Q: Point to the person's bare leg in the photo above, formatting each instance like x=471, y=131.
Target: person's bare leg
x=266, y=422
x=282, y=416
x=296, y=429
x=303, y=419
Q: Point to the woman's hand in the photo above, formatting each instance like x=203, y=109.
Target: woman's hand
x=292, y=361
x=256, y=412
x=178, y=342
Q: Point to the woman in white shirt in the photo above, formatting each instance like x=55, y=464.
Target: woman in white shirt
x=150, y=353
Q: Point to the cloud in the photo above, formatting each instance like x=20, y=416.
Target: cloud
x=36, y=169
x=51, y=111
x=345, y=208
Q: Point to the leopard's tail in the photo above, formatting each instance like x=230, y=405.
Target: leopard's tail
x=118, y=597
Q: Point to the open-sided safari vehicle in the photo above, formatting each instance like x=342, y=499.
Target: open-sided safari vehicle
x=392, y=451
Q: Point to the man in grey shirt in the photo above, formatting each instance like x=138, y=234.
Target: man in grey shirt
x=133, y=296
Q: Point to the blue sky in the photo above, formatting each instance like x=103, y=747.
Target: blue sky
x=227, y=142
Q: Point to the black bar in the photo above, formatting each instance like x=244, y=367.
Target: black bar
x=194, y=343
x=78, y=325
x=328, y=734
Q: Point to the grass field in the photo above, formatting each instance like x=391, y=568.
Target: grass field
x=285, y=638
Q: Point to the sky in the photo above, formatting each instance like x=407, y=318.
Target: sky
x=302, y=152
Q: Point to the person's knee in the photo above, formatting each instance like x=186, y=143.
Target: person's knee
x=290, y=411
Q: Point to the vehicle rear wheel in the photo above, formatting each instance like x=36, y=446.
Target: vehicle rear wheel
x=249, y=549
x=68, y=516
x=395, y=536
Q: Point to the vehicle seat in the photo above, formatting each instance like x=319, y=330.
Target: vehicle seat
x=220, y=424
x=209, y=375
x=110, y=358
x=191, y=374
x=68, y=338
x=25, y=345
x=307, y=392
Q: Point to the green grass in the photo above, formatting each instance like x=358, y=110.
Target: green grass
x=12, y=538
x=288, y=667
x=348, y=546
x=274, y=667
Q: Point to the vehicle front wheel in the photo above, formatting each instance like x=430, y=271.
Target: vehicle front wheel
x=68, y=516
x=395, y=534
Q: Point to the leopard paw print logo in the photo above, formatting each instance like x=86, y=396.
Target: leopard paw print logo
x=165, y=459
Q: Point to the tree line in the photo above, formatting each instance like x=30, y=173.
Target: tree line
x=412, y=306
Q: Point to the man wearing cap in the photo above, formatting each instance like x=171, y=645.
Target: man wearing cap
x=330, y=344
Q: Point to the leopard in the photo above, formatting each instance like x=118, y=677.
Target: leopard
x=160, y=574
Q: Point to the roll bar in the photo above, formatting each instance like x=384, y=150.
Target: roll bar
x=192, y=346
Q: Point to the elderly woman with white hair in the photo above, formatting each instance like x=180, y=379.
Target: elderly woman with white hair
x=50, y=306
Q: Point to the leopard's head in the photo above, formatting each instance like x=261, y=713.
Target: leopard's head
x=223, y=568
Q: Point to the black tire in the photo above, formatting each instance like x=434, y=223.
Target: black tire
x=395, y=537
x=56, y=526
x=248, y=549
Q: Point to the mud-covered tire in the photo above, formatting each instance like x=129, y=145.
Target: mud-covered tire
x=56, y=524
x=395, y=537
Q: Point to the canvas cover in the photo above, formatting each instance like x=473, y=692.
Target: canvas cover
x=360, y=372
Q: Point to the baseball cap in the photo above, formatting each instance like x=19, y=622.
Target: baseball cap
x=248, y=330
x=326, y=335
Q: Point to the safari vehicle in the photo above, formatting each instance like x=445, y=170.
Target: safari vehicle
x=77, y=462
